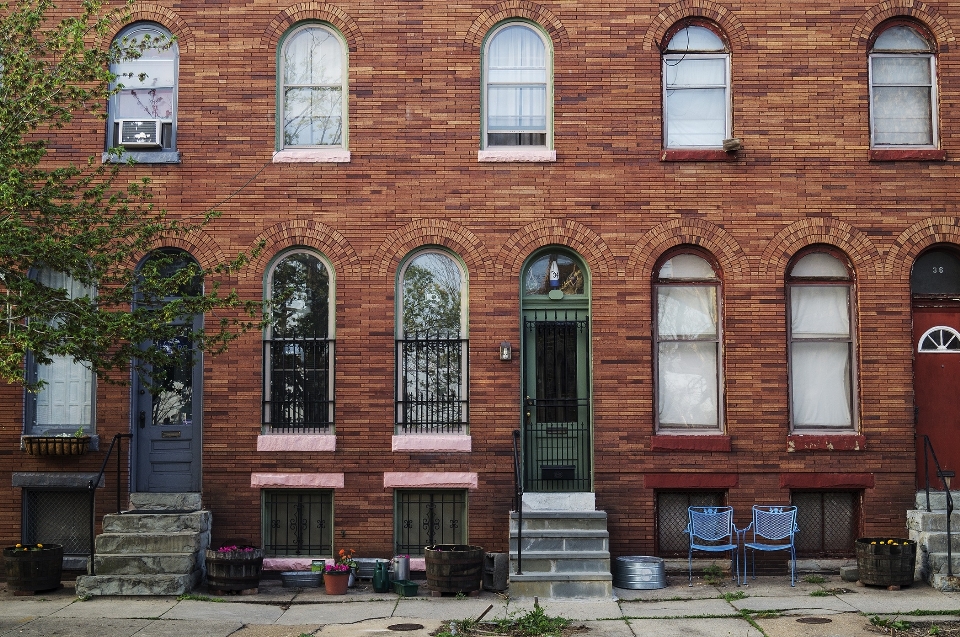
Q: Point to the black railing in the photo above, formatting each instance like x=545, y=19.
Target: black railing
x=298, y=523
x=92, y=487
x=928, y=453
x=425, y=518
x=518, y=497
x=297, y=383
x=432, y=384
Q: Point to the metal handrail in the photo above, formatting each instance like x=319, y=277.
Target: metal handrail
x=927, y=452
x=92, y=486
x=518, y=497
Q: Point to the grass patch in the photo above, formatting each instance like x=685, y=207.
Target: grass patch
x=713, y=575
x=735, y=595
x=198, y=598
x=820, y=593
x=814, y=579
x=534, y=623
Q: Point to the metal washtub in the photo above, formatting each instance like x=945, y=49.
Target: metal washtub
x=639, y=572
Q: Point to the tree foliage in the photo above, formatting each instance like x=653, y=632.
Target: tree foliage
x=87, y=220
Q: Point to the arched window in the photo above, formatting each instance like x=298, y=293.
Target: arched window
x=821, y=333
x=65, y=403
x=696, y=87
x=903, y=90
x=432, y=346
x=298, y=345
x=518, y=87
x=312, y=88
x=143, y=113
x=688, y=337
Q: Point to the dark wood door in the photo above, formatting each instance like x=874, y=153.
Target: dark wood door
x=936, y=383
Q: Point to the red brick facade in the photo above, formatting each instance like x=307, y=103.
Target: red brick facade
x=803, y=177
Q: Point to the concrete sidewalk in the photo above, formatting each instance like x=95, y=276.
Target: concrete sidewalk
x=768, y=606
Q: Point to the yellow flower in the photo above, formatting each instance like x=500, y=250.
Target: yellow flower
x=39, y=546
x=19, y=546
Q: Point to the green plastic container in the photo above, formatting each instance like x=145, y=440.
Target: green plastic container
x=405, y=588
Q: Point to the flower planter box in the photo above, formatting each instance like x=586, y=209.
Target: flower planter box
x=29, y=571
x=56, y=445
x=233, y=570
x=454, y=568
x=882, y=563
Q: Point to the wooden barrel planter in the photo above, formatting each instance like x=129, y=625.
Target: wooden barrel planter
x=33, y=569
x=454, y=568
x=886, y=561
x=229, y=571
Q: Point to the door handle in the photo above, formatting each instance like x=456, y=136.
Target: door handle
x=143, y=419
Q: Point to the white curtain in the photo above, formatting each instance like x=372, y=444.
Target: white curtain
x=687, y=328
x=696, y=102
x=517, y=81
x=821, y=392
x=902, y=100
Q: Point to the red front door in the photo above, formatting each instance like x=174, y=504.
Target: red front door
x=936, y=384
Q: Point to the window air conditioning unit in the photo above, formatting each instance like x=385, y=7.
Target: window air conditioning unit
x=140, y=132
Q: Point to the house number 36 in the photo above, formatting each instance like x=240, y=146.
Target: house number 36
x=937, y=270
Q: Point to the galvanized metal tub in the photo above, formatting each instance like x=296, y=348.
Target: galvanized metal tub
x=300, y=579
x=639, y=572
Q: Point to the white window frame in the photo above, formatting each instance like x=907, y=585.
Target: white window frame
x=850, y=340
x=313, y=152
x=670, y=57
x=717, y=284
x=268, y=334
x=166, y=153
x=931, y=56
x=493, y=152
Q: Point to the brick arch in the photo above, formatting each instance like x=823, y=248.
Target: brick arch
x=438, y=232
x=780, y=249
x=200, y=244
x=727, y=251
x=515, y=9
x=319, y=11
x=566, y=232
x=308, y=233
x=921, y=11
x=914, y=240
x=146, y=12
x=726, y=18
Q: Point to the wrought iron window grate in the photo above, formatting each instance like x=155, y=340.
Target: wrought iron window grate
x=298, y=384
x=827, y=522
x=424, y=518
x=672, y=539
x=432, y=383
x=54, y=516
x=297, y=522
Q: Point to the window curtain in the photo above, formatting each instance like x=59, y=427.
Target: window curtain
x=821, y=371
x=517, y=81
x=687, y=356
x=696, y=102
x=902, y=100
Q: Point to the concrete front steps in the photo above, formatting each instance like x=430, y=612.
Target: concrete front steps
x=565, y=554
x=156, y=548
x=929, y=530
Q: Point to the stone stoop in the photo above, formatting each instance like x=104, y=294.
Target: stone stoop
x=156, y=548
x=929, y=530
x=565, y=554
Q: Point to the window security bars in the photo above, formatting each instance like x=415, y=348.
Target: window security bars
x=298, y=378
x=432, y=383
x=828, y=523
x=298, y=523
x=53, y=516
x=425, y=518
x=672, y=518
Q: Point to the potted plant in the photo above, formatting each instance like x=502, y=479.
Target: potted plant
x=336, y=576
x=33, y=567
x=454, y=568
x=885, y=561
x=234, y=567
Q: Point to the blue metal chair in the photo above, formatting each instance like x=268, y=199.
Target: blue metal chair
x=774, y=528
x=711, y=529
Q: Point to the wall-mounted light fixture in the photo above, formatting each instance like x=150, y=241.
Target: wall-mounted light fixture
x=505, y=351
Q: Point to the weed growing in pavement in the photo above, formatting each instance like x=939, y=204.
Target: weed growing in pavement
x=820, y=593
x=713, y=575
x=733, y=596
x=814, y=579
x=198, y=598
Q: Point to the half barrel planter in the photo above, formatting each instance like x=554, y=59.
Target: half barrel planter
x=229, y=571
x=881, y=563
x=454, y=568
x=35, y=569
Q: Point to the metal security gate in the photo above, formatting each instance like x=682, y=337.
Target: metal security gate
x=557, y=436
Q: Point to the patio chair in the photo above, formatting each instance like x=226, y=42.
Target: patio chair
x=773, y=530
x=711, y=529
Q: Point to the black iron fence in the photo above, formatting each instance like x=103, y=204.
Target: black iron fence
x=424, y=518
x=432, y=384
x=298, y=522
x=298, y=385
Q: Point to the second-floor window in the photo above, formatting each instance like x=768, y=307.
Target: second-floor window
x=431, y=345
x=903, y=92
x=312, y=88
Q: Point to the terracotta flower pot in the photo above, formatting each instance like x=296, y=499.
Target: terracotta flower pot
x=336, y=583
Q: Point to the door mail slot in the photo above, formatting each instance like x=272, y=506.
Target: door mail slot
x=558, y=472
x=169, y=434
